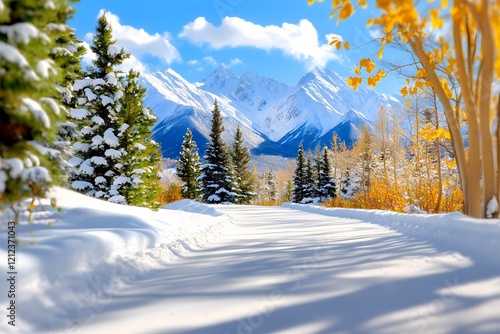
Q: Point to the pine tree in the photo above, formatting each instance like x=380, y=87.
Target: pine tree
x=309, y=185
x=216, y=178
x=189, y=168
x=326, y=183
x=317, y=175
x=270, y=186
x=346, y=184
x=97, y=159
x=140, y=154
x=29, y=101
x=300, y=177
x=350, y=183
x=67, y=54
x=243, y=177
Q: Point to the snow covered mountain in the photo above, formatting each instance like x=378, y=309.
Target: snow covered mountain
x=274, y=117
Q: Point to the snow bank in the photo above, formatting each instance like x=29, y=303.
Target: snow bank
x=476, y=238
x=70, y=262
x=192, y=206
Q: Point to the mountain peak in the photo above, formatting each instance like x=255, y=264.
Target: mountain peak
x=221, y=81
x=221, y=71
x=318, y=70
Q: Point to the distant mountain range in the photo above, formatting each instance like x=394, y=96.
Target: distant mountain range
x=274, y=117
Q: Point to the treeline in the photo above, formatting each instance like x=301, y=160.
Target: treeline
x=403, y=163
x=60, y=124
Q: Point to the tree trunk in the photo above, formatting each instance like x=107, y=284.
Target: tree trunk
x=437, y=209
x=470, y=203
x=474, y=195
x=484, y=89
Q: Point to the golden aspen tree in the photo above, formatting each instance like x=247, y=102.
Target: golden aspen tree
x=470, y=55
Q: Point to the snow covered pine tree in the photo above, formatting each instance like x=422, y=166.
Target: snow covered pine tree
x=240, y=157
x=67, y=54
x=326, y=187
x=28, y=109
x=309, y=184
x=97, y=170
x=216, y=178
x=189, y=168
x=300, y=177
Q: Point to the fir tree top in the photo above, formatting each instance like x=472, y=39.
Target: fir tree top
x=107, y=55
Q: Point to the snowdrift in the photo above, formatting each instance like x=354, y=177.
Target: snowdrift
x=70, y=260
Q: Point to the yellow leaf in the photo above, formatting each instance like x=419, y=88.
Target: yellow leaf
x=380, y=52
x=32, y=207
x=419, y=84
x=364, y=62
x=346, y=11
x=443, y=133
x=357, y=71
x=432, y=134
x=361, y=3
x=371, y=81
x=381, y=74
x=444, y=4
x=346, y=45
x=336, y=43
x=53, y=203
x=404, y=91
x=384, y=4
x=436, y=22
x=370, y=67
x=368, y=64
x=354, y=82
x=374, y=80
x=446, y=88
x=421, y=73
x=389, y=38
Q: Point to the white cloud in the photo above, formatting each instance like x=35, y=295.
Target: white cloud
x=132, y=63
x=138, y=43
x=298, y=41
x=211, y=62
x=375, y=33
x=233, y=62
x=89, y=56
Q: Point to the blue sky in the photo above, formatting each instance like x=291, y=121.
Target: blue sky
x=281, y=39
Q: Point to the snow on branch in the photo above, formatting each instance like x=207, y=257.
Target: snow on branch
x=12, y=55
x=36, y=109
x=81, y=185
x=110, y=138
x=21, y=32
x=79, y=113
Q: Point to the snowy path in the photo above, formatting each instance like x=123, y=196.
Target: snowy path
x=280, y=270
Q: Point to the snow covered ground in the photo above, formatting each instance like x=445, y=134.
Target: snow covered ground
x=106, y=268
x=67, y=271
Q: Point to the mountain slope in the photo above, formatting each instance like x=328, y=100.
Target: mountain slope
x=275, y=118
